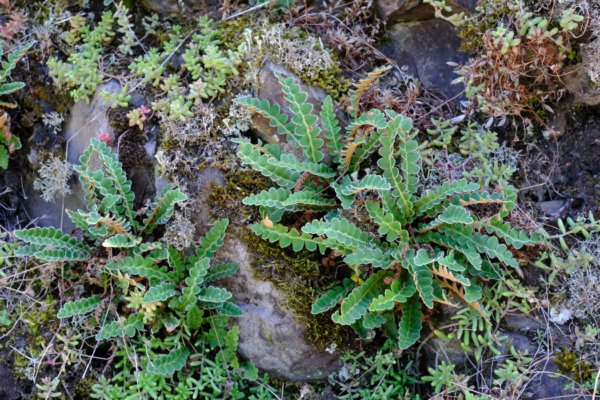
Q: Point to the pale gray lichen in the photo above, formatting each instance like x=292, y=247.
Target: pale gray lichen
x=179, y=232
x=54, y=178
x=53, y=120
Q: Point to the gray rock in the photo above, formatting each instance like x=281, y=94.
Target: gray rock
x=270, y=335
x=542, y=386
x=424, y=48
x=555, y=208
x=85, y=122
x=417, y=10
x=578, y=82
x=270, y=89
x=162, y=6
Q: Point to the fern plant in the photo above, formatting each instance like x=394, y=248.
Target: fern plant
x=166, y=288
x=430, y=248
x=9, y=142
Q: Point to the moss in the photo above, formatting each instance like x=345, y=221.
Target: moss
x=301, y=276
x=570, y=363
x=83, y=387
x=226, y=200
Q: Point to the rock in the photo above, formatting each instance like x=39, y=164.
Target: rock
x=424, y=48
x=543, y=386
x=270, y=89
x=417, y=10
x=85, y=122
x=555, y=208
x=532, y=321
x=162, y=6
x=270, y=335
x=578, y=82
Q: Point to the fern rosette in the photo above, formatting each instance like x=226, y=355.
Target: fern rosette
x=431, y=246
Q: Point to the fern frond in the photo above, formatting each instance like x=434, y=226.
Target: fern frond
x=443, y=272
x=340, y=188
x=408, y=165
x=330, y=122
x=212, y=240
x=340, y=230
x=272, y=113
x=260, y=162
x=221, y=271
x=387, y=223
x=399, y=292
x=481, y=243
x=189, y=295
x=272, y=198
x=410, y=325
x=369, y=182
x=119, y=241
x=213, y=295
x=62, y=255
x=51, y=237
x=120, y=184
x=8, y=88
x=460, y=292
x=452, y=243
x=289, y=161
x=374, y=119
x=306, y=129
x=451, y=263
x=375, y=257
x=373, y=320
x=357, y=302
x=328, y=300
x=168, y=364
x=123, y=328
x=421, y=275
x=348, y=151
x=308, y=199
x=434, y=197
x=230, y=310
x=280, y=233
x=115, y=224
x=363, y=84
x=162, y=208
x=29, y=250
x=82, y=306
x=161, y=292
x=141, y=266
x=451, y=215
x=514, y=237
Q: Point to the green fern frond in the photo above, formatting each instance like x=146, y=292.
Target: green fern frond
x=308, y=199
x=51, y=237
x=400, y=290
x=168, y=364
x=221, y=271
x=230, y=310
x=119, y=241
x=196, y=276
x=213, y=239
x=161, y=292
x=260, y=162
x=375, y=257
x=330, y=122
x=369, y=182
x=120, y=184
x=162, y=208
x=272, y=198
x=341, y=230
x=387, y=223
x=141, y=266
x=451, y=215
x=422, y=276
x=328, y=300
x=358, y=302
x=305, y=123
x=213, y=295
x=62, y=255
x=273, y=113
x=8, y=88
x=289, y=161
x=82, y=306
x=514, y=237
x=340, y=188
x=434, y=197
x=123, y=328
x=373, y=320
x=374, y=119
x=3, y=157
x=410, y=325
x=280, y=233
